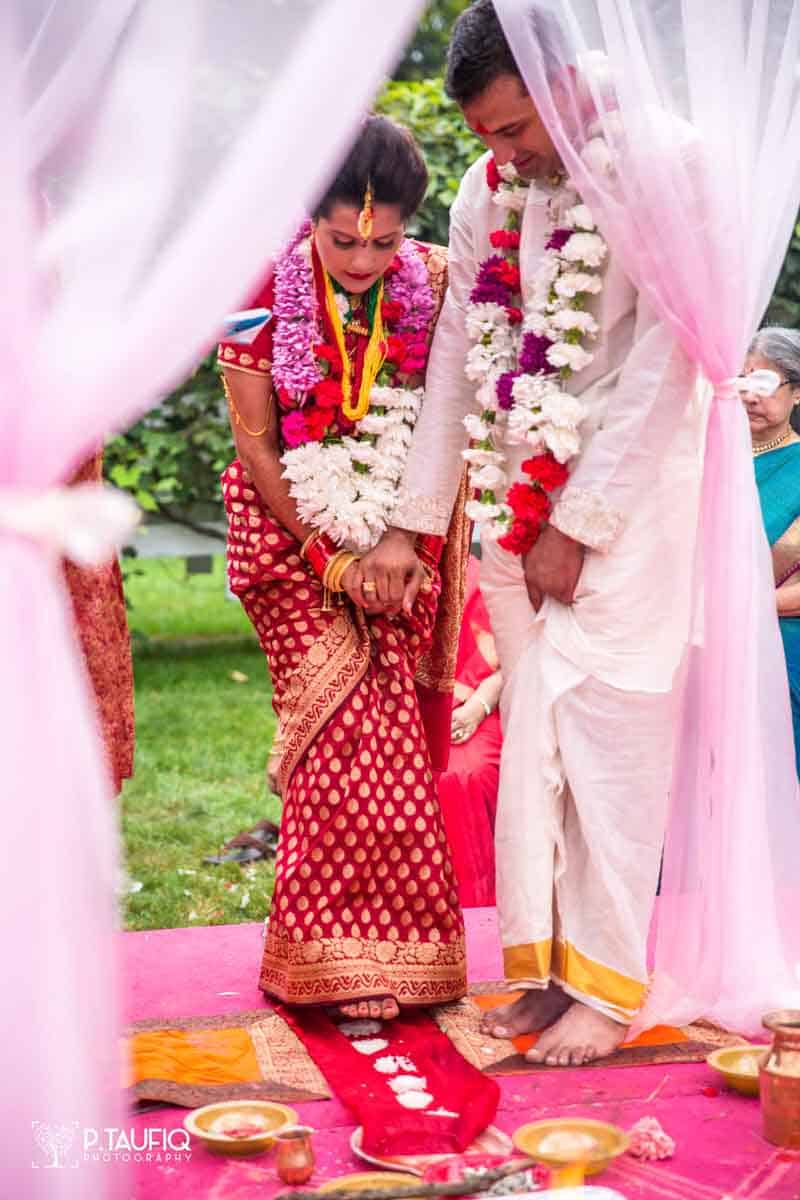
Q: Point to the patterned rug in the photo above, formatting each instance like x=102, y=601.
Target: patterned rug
x=193, y=1061
x=496, y=1056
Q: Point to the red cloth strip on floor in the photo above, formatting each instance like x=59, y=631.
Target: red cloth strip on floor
x=463, y=1100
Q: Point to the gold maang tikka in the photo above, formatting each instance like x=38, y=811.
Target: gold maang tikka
x=367, y=215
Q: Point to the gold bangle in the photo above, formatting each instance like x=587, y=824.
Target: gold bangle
x=236, y=416
x=332, y=579
x=278, y=743
x=338, y=566
x=329, y=568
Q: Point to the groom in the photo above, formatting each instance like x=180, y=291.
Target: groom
x=593, y=621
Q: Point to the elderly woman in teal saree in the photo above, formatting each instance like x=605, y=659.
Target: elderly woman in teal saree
x=771, y=391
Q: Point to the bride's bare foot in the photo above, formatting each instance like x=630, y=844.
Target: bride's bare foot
x=535, y=1009
x=579, y=1036
x=376, y=1008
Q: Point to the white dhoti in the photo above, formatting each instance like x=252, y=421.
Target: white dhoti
x=590, y=712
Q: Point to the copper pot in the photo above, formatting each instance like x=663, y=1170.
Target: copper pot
x=779, y=1079
x=294, y=1154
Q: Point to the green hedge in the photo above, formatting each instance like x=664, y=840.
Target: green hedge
x=785, y=306
x=447, y=142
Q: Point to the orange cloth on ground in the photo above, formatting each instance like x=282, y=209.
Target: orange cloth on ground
x=659, y=1035
x=199, y=1056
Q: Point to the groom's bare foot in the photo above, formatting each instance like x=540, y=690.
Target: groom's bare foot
x=581, y=1035
x=535, y=1009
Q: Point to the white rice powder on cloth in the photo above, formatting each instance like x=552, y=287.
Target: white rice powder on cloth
x=370, y=1045
x=415, y=1099
x=390, y=1064
x=408, y=1083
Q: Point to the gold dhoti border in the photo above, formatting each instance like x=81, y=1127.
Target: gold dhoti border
x=600, y=986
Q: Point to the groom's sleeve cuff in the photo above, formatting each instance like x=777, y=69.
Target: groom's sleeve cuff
x=588, y=518
x=421, y=514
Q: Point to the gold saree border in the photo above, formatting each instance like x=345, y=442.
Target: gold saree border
x=436, y=669
x=334, y=970
x=332, y=667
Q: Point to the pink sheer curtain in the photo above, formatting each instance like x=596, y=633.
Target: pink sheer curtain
x=176, y=145
x=674, y=121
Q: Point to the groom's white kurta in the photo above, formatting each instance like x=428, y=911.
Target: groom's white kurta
x=591, y=689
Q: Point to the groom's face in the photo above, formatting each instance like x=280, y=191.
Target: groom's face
x=505, y=118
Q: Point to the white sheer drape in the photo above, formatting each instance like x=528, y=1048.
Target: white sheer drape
x=153, y=157
x=677, y=121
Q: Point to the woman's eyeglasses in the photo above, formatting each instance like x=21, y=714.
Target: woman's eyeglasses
x=760, y=383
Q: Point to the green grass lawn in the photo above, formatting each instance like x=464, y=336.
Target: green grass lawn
x=202, y=738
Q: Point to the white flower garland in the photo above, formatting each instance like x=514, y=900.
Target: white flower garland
x=530, y=405
x=349, y=489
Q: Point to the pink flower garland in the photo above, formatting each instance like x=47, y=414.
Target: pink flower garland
x=649, y=1141
x=410, y=287
x=295, y=369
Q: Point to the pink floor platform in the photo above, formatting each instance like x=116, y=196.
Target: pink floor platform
x=720, y=1151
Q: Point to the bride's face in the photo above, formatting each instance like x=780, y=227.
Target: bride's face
x=354, y=263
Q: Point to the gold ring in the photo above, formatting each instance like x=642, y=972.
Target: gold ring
x=426, y=585
x=369, y=586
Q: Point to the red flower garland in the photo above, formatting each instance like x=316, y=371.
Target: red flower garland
x=530, y=502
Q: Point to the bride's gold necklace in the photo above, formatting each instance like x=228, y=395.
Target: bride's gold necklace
x=773, y=445
x=353, y=326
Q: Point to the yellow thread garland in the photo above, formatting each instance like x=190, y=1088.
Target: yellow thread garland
x=373, y=358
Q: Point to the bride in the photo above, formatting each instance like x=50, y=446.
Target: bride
x=365, y=915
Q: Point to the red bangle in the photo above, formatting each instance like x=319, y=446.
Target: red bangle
x=320, y=553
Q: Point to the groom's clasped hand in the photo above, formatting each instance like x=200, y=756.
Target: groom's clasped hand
x=391, y=574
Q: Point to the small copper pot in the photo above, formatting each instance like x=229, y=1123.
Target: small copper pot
x=294, y=1154
x=779, y=1079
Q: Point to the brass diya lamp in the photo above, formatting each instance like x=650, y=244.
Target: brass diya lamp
x=294, y=1155
x=779, y=1079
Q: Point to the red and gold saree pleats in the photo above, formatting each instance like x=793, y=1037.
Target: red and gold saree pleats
x=365, y=899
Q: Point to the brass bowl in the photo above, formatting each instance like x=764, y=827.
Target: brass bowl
x=365, y=1181
x=738, y=1065
x=210, y=1122
x=567, y=1141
